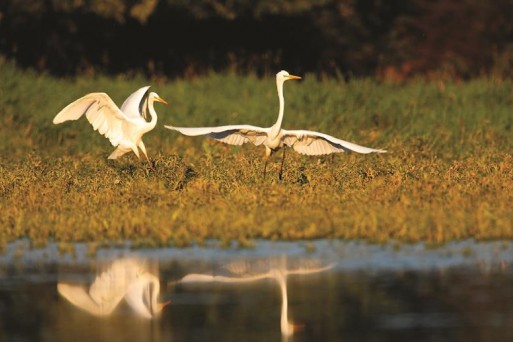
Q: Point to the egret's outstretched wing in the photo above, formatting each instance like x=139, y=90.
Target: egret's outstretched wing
x=110, y=286
x=136, y=104
x=78, y=296
x=308, y=269
x=232, y=134
x=101, y=112
x=315, y=143
x=206, y=278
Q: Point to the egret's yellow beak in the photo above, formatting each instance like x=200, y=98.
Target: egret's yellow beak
x=293, y=77
x=163, y=305
x=161, y=100
x=297, y=327
x=160, y=307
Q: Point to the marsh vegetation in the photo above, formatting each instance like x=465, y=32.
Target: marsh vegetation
x=448, y=174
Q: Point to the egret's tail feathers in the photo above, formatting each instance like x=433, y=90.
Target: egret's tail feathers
x=118, y=152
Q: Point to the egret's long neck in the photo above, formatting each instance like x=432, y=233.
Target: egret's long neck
x=284, y=321
x=275, y=130
x=153, y=122
x=155, y=308
x=142, y=295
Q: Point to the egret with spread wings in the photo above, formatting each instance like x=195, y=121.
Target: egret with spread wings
x=266, y=269
x=274, y=137
x=124, y=126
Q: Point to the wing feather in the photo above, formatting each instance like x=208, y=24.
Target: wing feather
x=79, y=297
x=232, y=134
x=315, y=143
x=203, y=278
x=136, y=104
x=101, y=112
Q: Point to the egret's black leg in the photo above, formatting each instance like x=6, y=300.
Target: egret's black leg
x=282, y=163
x=151, y=164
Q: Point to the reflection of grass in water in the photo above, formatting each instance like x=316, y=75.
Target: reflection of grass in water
x=448, y=174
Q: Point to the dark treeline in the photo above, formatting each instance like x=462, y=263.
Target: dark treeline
x=388, y=38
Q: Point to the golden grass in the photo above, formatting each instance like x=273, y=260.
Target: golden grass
x=377, y=198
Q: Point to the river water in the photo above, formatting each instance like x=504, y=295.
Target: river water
x=275, y=291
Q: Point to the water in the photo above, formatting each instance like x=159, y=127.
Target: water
x=333, y=291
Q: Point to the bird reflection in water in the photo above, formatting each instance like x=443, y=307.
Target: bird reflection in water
x=277, y=269
x=130, y=279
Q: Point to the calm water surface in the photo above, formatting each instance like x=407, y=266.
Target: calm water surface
x=308, y=291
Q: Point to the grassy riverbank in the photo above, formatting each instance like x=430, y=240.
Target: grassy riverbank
x=448, y=175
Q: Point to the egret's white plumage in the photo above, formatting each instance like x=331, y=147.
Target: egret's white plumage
x=127, y=279
x=267, y=269
x=124, y=126
x=274, y=137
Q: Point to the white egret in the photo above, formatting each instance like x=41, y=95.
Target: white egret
x=127, y=279
x=274, y=137
x=277, y=271
x=124, y=126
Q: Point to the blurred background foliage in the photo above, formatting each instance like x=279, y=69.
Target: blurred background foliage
x=390, y=39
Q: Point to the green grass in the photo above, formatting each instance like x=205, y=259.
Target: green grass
x=448, y=174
